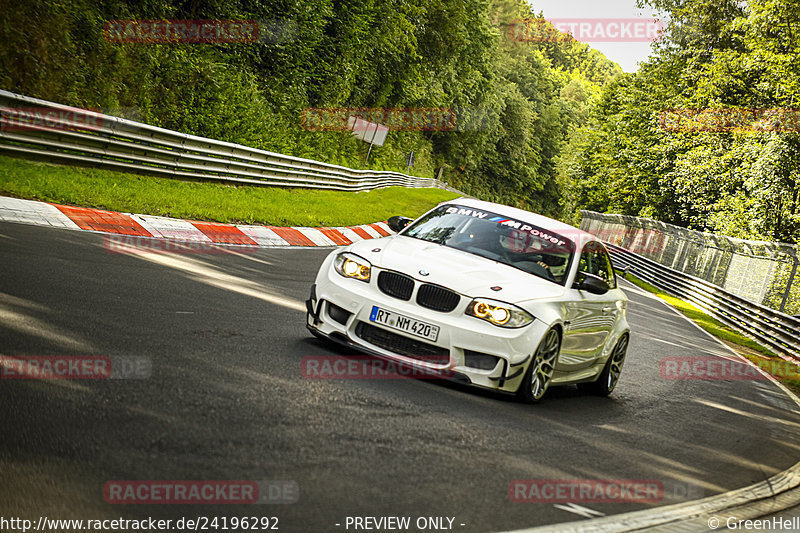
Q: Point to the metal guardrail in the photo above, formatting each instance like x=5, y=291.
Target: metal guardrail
x=776, y=330
x=766, y=273
x=86, y=138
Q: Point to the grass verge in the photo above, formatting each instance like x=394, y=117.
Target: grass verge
x=133, y=193
x=740, y=343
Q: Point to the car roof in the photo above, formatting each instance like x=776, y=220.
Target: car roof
x=578, y=236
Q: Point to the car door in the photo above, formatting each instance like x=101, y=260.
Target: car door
x=590, y=317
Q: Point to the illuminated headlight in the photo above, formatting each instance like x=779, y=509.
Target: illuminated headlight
x=352, y=266
x=499, y=313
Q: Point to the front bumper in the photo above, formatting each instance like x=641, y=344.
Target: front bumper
x=466, y=349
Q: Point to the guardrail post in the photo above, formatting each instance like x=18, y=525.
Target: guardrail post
x=789, y=285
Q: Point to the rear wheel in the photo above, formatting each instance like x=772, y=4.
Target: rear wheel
x=540, y=371
x=609, y=377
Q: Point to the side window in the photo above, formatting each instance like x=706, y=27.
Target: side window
x=595, y=260
x=606, y=268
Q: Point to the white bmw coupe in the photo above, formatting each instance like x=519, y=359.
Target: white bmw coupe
x=492, y=295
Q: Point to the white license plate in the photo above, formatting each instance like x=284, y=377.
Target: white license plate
x=404, y=323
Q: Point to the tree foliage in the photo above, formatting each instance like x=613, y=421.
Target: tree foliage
x=516, y=102
x=716, y=54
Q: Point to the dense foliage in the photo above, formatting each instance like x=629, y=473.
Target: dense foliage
x=739, y=180
x=516, y=101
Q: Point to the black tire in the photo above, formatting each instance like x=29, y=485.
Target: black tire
x=540, y=371
x=609, y=377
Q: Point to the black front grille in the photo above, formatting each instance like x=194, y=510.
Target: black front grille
x=396, y=285
x=437, y=298
x=402, y=345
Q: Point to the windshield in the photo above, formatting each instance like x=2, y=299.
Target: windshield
x=534, y=250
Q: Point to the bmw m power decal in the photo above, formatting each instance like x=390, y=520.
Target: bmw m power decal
x=508, y=222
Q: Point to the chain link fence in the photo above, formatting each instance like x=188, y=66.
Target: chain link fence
x=764, y=273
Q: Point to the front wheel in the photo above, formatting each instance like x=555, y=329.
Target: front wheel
x=609, y=377
x=540, y=371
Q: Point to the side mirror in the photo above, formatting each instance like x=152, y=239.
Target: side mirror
x=398, y=223
x=592, y=284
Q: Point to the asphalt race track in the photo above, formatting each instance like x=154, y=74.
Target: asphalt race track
x=226, y=400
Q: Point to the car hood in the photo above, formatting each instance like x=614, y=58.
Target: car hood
x=460, y=271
